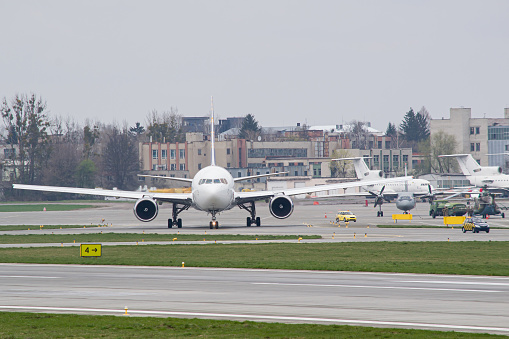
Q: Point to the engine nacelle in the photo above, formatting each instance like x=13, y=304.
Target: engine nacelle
x=281, y=207
x=146, y=209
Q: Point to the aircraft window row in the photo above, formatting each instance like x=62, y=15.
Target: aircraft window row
x=213, y=181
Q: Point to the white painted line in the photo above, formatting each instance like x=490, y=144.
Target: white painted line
x=27, y=276
x=384, y=287
x=260, y=317
x=456, y=282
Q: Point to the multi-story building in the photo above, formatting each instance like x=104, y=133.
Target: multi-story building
x=477, y=136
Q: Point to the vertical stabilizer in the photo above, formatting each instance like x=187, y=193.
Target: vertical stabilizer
x=212, y=134
x=361, y=169
x=468, y=164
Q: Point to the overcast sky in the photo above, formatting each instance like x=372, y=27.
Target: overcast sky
x=314, y=62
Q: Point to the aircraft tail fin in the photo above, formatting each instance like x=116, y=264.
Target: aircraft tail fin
x=212, y=134
x=361, y=169
x=467, y=163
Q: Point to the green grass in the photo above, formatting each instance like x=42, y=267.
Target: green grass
x=128, y=237
x=42, y=325
x=473, y=258
x=38, y=227
x=40, y=207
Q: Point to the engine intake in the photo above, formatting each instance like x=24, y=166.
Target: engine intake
x=145, y=209
x=281, y=207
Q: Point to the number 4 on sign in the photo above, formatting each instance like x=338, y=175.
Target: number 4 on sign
x=90, y=250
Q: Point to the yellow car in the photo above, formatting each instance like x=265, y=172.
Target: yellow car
x=346, y=216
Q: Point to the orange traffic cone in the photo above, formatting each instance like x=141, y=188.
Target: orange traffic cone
x=325, y=214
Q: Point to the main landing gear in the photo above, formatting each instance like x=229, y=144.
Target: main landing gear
x=175, y=212
x=253, y=219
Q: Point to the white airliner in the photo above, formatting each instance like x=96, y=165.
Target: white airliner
x=403, y=191
x=212, y=191
x=480, y=176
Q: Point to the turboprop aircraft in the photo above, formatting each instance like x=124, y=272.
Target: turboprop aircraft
x=212, y=191
x=404, y=191
x=480, y=176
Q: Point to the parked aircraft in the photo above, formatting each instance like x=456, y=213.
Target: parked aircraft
x=404, y=191
x=480, y=176
x=212, y=191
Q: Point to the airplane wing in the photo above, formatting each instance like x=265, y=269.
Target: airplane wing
x=169, y=178
x=257, y=176
x=259, y=195
x=181, y=198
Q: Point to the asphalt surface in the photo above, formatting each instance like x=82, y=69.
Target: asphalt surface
x=459, y=303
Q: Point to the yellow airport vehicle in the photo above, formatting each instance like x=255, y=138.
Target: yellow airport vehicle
x=346, y=216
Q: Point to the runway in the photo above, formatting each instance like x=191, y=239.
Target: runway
x=438, y=302
x=459, y=303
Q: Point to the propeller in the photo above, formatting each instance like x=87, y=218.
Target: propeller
x=379, y=199
x=431, y=195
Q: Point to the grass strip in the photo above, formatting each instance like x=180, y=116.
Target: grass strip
x=45, y=227
x=43, y=325
x=471, y=258
x=128, y=237
x=41, y=207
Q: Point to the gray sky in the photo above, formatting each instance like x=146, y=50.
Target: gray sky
x=314, y=62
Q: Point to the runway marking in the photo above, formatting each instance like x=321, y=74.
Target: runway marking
x=27, y=276
x=261, y=317
x=456, y=282
x=383, y=287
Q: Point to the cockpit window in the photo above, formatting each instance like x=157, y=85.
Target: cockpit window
x=217, y=181
x=208, y=181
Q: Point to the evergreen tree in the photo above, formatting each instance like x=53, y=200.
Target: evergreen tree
x=391, y=130
x=250, y=128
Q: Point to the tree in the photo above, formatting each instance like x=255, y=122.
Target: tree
x=391, y=130
x=120, y=158
x=90, y=135
x=415, y=127
x=250, y=129
x=165, y=127
x=27, y=124
x=439, y=143
x=359, y=134
x=137, y=129
x=339, y=169
x=85, y=174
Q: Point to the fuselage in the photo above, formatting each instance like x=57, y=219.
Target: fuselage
x=213, y=189
x=500, y=180
x=419, y=186
x=405, y=201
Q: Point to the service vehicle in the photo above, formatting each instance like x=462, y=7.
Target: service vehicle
x=446, y=208
x=346, y=216
x=475, y=224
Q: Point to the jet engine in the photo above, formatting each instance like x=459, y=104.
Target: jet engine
x=281, y=207
x=145, y=209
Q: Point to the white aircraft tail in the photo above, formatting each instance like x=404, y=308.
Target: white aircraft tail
x=362, y=170
x=467, y=163
x=212, y=134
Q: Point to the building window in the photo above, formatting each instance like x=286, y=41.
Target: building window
x=199, y=152
x=172, y=167
x=172, y=154
x=379, y=144
x=227, y=151
x=164, y=154
x=472, y=147
x=472, y=130
x=239, y=174
x=199, y=167
x=376, y=160
x=395, y=159
x=405, y=158
x=154, y=154
x=478, y=147
x=182, y=153
x=9, y=153
x=507, y=147
x=227, y=164
x=477, y=130
x=182, y=167
x=387, y=144
x=154, y=167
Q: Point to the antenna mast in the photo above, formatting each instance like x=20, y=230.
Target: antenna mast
x=212, y=134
